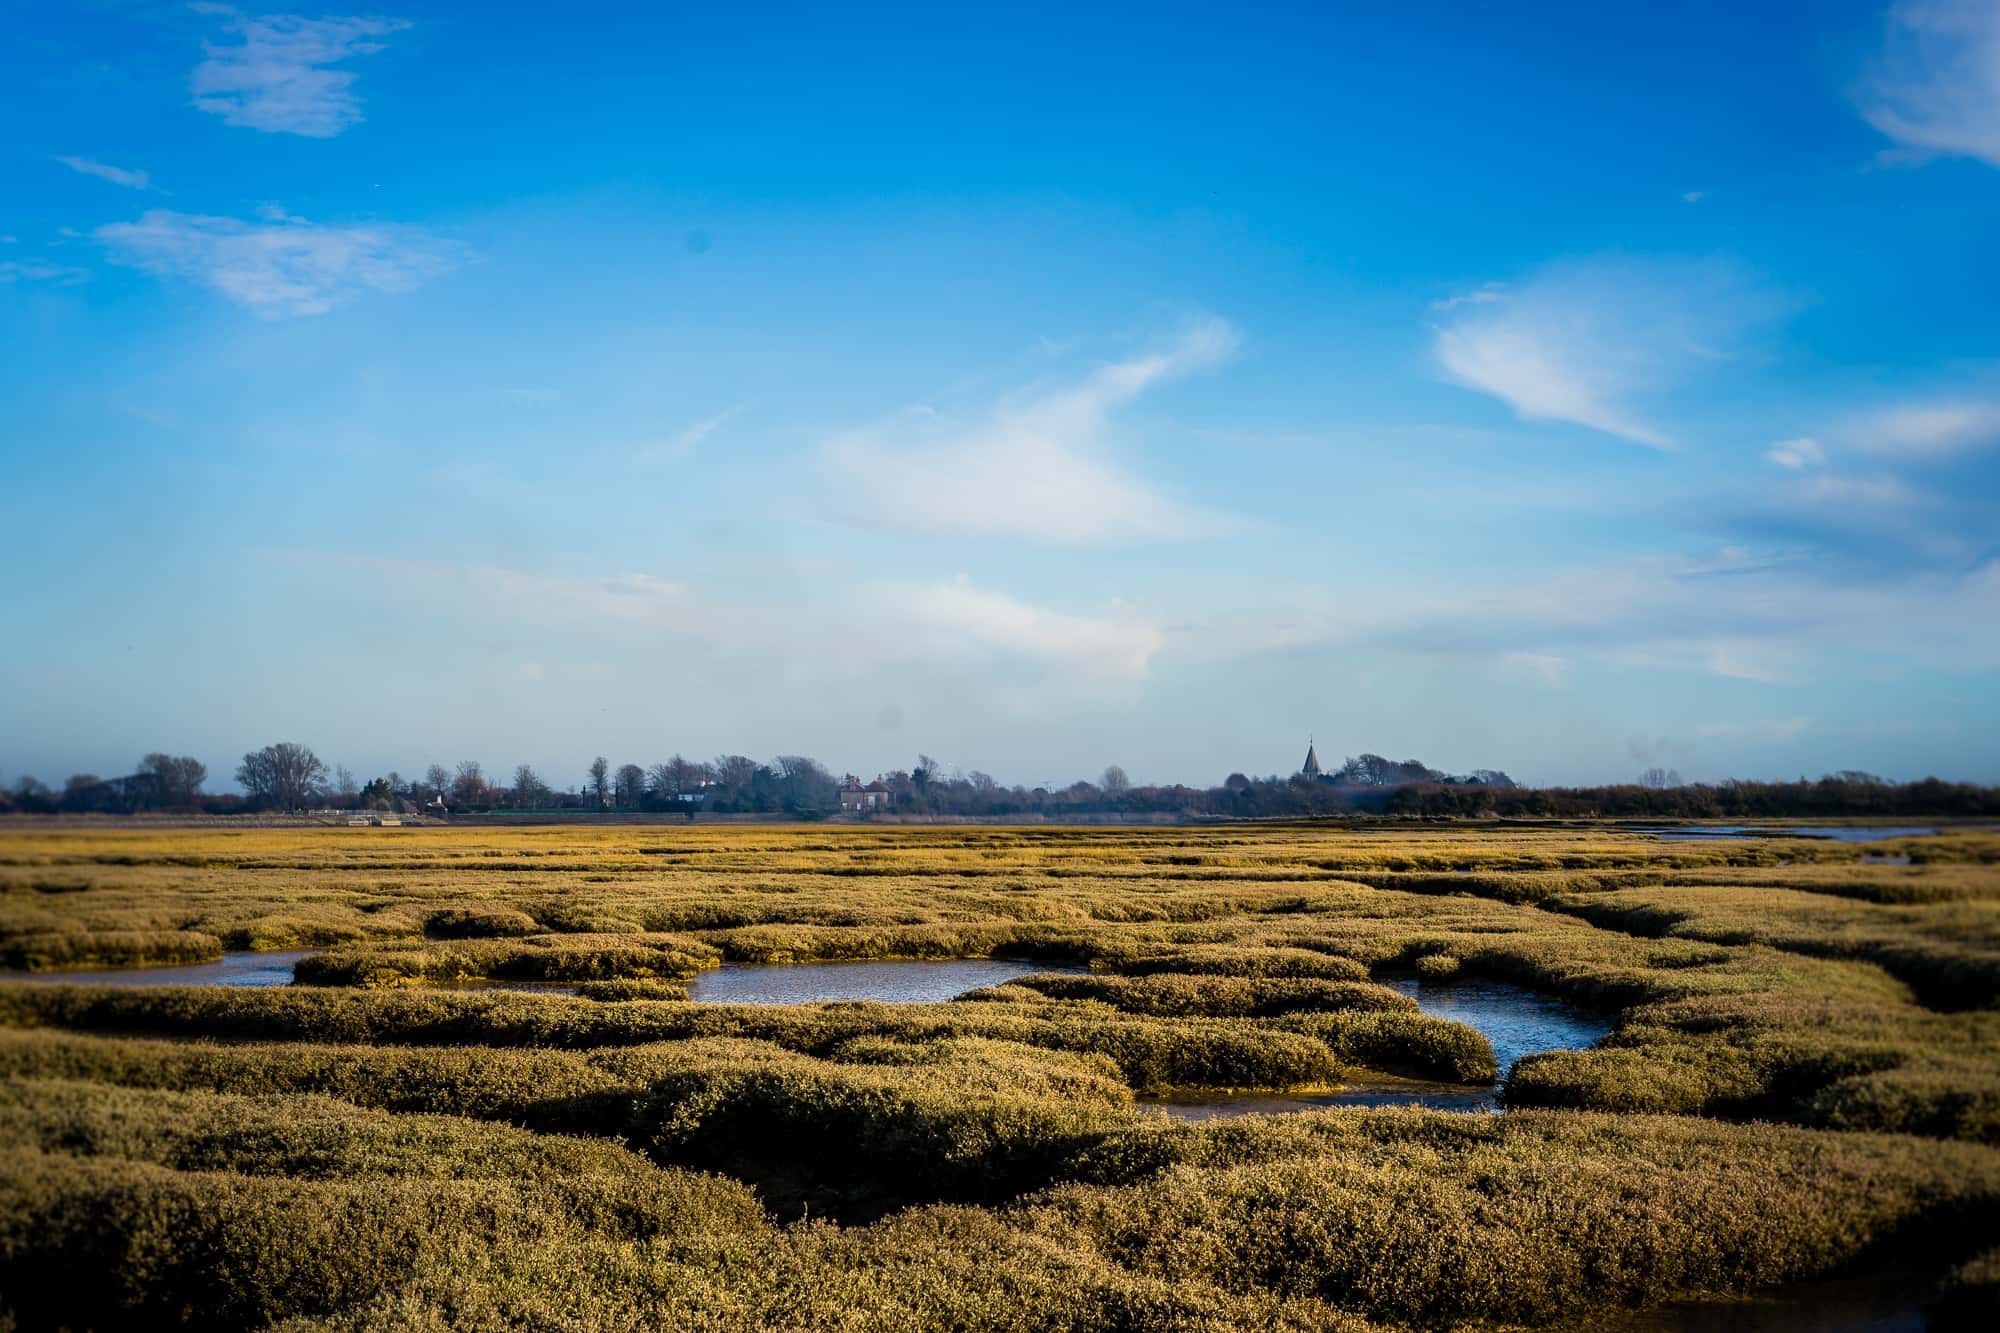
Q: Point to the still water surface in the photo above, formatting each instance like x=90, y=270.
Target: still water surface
x=913, y=982
x=234, y=969
x=1891, y=1303
x=1829, y=832
x=1517, y=1021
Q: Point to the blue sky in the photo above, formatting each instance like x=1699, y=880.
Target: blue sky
x=1037, y=389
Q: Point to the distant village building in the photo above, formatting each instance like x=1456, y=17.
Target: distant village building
x=1310, y=768
x=858, y=799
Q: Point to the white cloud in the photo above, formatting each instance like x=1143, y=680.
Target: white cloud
x=882, y=624
x=1543, y=669
x=131, y=180
x=1120, y=644
x=1935, y=89
x=683, y=442
x=1693, y=196
x=1484, y=294
x=1744, y=661
x=1928, y=430
x=277, y=77
x=1587, y=342
x=1034, y=467
x=1857, y=492
x=1739, y=615
x=39, y=270
x=292, y=267
x=1798, y=454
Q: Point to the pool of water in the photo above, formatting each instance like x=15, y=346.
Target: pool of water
x=1517, y=1022
x=1871, y=1304
x=1830, y=832
x=234, y=969
x=1515, y=1019
x=914, y=982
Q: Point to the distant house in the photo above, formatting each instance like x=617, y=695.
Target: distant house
x=858, y=799
x=1310, y=768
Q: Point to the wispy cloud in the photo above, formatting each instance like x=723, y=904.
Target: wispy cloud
x=1798, y=454
x=1120, y=643
x=1033, y=467
x=40, y=270
x=277, y=76
x=1484, y=294
x=1935, y=88
x=1879, y=492
x=288, y=267
x=131, y=180
x=1738, y=615
x=683, y=442
x=881, y=623
x=1922, y=430
x=1590, y=342
x=1545, y=669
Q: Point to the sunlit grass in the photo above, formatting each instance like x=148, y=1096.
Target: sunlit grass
x=372, y=1148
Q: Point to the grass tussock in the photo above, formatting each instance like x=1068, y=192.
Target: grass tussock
x=54, y=951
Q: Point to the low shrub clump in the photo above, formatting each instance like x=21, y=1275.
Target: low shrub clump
x=51, y=951
x=1168, y=994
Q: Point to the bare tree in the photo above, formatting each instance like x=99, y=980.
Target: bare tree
x=529, y=789
x=600, y=779
x=286, y=775
x=676, y=780
x=1115, y=781
x=469, y=787
x=1659, y=779
x=437, y=780
x=628, y=786
x=343, y=782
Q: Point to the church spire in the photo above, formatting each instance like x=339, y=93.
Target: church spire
x=1311, y=767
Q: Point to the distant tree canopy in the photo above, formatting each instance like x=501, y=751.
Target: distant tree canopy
x=286, y=776
x=289, y=776
x=178, y=780
x=1372, y=770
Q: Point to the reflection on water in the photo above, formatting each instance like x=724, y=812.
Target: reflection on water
x=234, y=969
x=250, y=969
x=918, y=982
x=1372, y=1092
x=1873, y=1304
x=503, y=983
x=1829, y=832
x=1517, y=1022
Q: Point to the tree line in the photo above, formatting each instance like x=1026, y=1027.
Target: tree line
x=288, y=776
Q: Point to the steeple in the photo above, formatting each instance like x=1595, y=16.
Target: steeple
x=1311, y=767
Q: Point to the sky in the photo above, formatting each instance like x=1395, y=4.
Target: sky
x=1040, y=388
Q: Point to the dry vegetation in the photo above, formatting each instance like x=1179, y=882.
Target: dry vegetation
x=1804, y=1076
